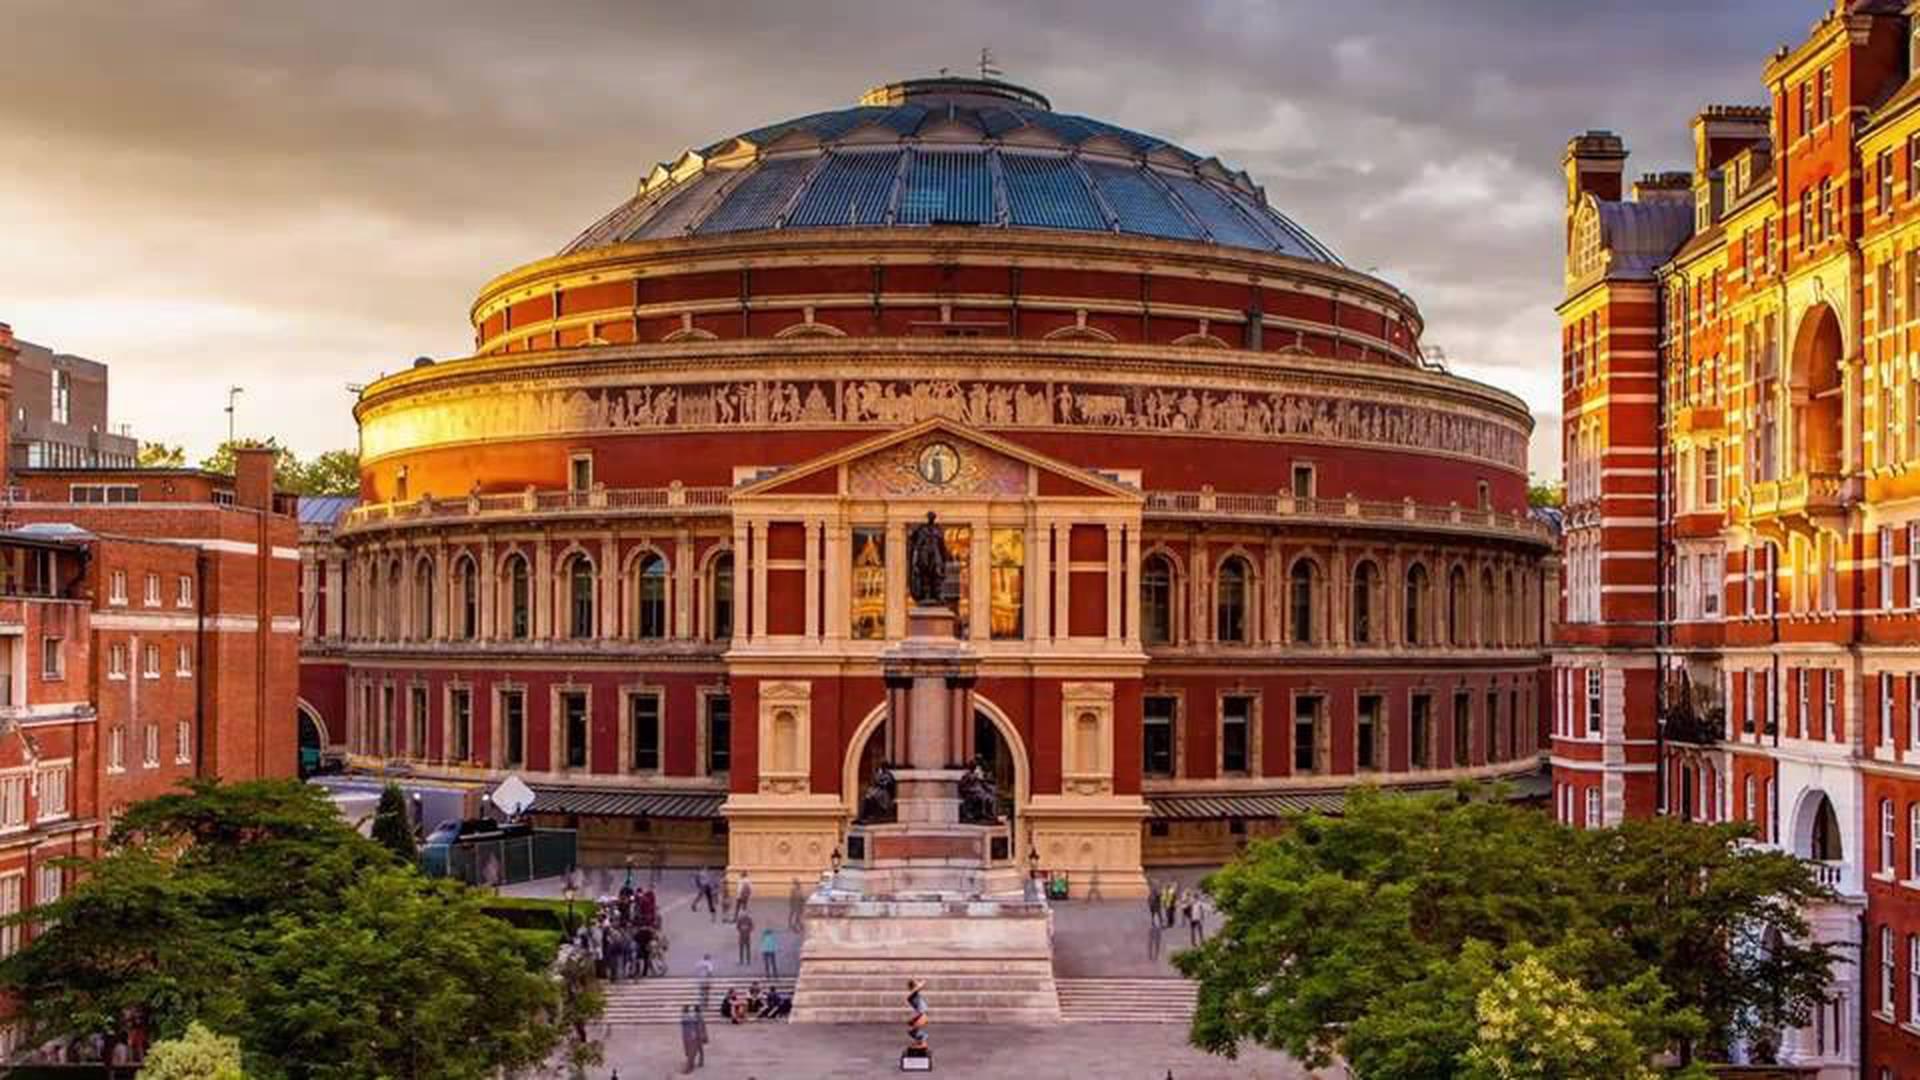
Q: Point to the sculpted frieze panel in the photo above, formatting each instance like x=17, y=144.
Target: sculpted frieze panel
x=1239, y=412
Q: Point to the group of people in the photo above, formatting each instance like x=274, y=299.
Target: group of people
x=756, y=1004
x=624, y=937
x=1168, y=902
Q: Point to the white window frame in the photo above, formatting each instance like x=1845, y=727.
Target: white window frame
x=117, y=748
x=53, y=648
x=150, y=660
x=1886, y=568
x=1596, y=702
x=117, y=588
x=1913, y=843
x=12, y=887
x=152, y=594
x=53, y=778
x=1593, y=808
x=51, y=886
x=150, y=744
x=183, y=591
x=1913, y=978
x=183, y=660
x=182, y=742
x=13, y=799
x=1886, y=972
x=1827, y=710
x=1889, y=836
x=117, y=660
x=1886, y=708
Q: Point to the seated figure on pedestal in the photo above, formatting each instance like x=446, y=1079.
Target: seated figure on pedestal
x=877, y=804
x=979, y=800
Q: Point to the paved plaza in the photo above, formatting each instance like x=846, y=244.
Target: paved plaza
x=808, y=1051
x=1100, y=939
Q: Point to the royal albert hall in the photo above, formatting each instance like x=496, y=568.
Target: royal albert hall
x=1223, y=544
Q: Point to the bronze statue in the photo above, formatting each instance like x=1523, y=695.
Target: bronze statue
x=979, y=800
x=927, y=560
x=877, y=804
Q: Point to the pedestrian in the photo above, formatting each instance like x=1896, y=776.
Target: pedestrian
x=743, y=895
x=1167, y=903
x=796, y=906
x=1153, y=900
x=1201, y=907
x=689, y=1036
x=705, y=972
x=700, y=1022
x=1154, y=930
x=1187, y=904
x=656, y=863
x=703, y=890
x=744, y=924
x=643, y=944
x=649, y=908
x=770, y=951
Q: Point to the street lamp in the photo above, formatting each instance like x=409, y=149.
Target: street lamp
x=232, y=392
x=1033, y=861
x=833, y=860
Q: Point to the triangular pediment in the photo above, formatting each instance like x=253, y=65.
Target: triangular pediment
x=937, y=458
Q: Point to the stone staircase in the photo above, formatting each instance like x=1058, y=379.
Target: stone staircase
x=658, y=1000
x=1148, y=1000
x=1127, y=1000
x=958, y=991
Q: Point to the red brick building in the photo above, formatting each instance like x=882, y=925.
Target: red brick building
x=1227, y=545
x=1742, y=605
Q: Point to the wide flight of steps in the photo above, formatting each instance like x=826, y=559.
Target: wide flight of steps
x=1002, y=990
x=658, y=1000
x=1127, y=1000
x=1086, y=1001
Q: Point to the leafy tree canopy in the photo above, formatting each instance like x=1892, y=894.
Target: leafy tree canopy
x=197, y=1055
x=1545, y=492
x=154, y=455
x=1383, y=935
x=390, y=828
x=254, y=909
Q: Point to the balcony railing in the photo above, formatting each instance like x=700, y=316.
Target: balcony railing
x=1827, y=873
x=1802, y=493
x=1205, y=503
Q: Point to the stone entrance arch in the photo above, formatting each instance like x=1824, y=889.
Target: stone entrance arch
x=311, y=738
x=862, y=753
x=1816, y=829
x=1816, y=394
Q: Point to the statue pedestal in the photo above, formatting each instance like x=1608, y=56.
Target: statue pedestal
x=928, y=896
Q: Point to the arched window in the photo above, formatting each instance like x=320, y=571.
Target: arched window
x=1156, y=601
x=468, y=581
x=1488, y=606
x=650, y=607
x=1230, y=604
x=519, y=587
x=395, y=601
x=423, y=600
x=1457, y=607
x=1366, y=580
x=721, y=618
x=1416, y=604
x=580, y=597
x=1302, y=612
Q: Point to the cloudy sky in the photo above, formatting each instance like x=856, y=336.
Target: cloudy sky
x=292, y=197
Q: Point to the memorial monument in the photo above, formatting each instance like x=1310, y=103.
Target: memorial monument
x=930, y=888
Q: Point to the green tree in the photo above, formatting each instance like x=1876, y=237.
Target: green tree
x=1546, y=492
x=222, y=459
x=199, y=1054
x=391, y=829
x=1535, y=1024
x=405, y=979
x=1355, y=937
x=155, y=455
x=334, y=472
x=210, y=903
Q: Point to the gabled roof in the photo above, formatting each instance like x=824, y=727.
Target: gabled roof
x=789, y=480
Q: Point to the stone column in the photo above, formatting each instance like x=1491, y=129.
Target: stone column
x=980, y=581
x=1132, y=568
x=684, y=613
x=542, y=589
x=608, y=601
x=312, y=612
x=839, y=537
x=1063, y=581
x=810, y=626
x=896, y=579
x=742, y=577
x=489, y=599
x=336, y=625
x=1113, y=581
x=1199, y=591
x=760, y=529
x=898, y=687
x=1039, y=544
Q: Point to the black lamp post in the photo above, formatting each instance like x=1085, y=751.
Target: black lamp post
x=833, y=860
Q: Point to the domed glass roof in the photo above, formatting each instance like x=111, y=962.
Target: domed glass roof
x=952, y=151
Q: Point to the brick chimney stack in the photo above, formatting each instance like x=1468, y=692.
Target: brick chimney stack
x=1596, y=163
x=253, y=477
x=8, y=351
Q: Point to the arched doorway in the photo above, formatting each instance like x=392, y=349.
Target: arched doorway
x=1816, y=833
x=312, y=740
x=1816, y=394
x=995, y=740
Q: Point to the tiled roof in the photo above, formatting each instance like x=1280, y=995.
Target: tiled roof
x=952, y=158
x=625, y=802
x=326, y=509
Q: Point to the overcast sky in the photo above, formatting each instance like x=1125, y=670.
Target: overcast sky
x=293, y=197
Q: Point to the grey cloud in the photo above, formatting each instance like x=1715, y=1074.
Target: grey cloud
x=297, y=195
